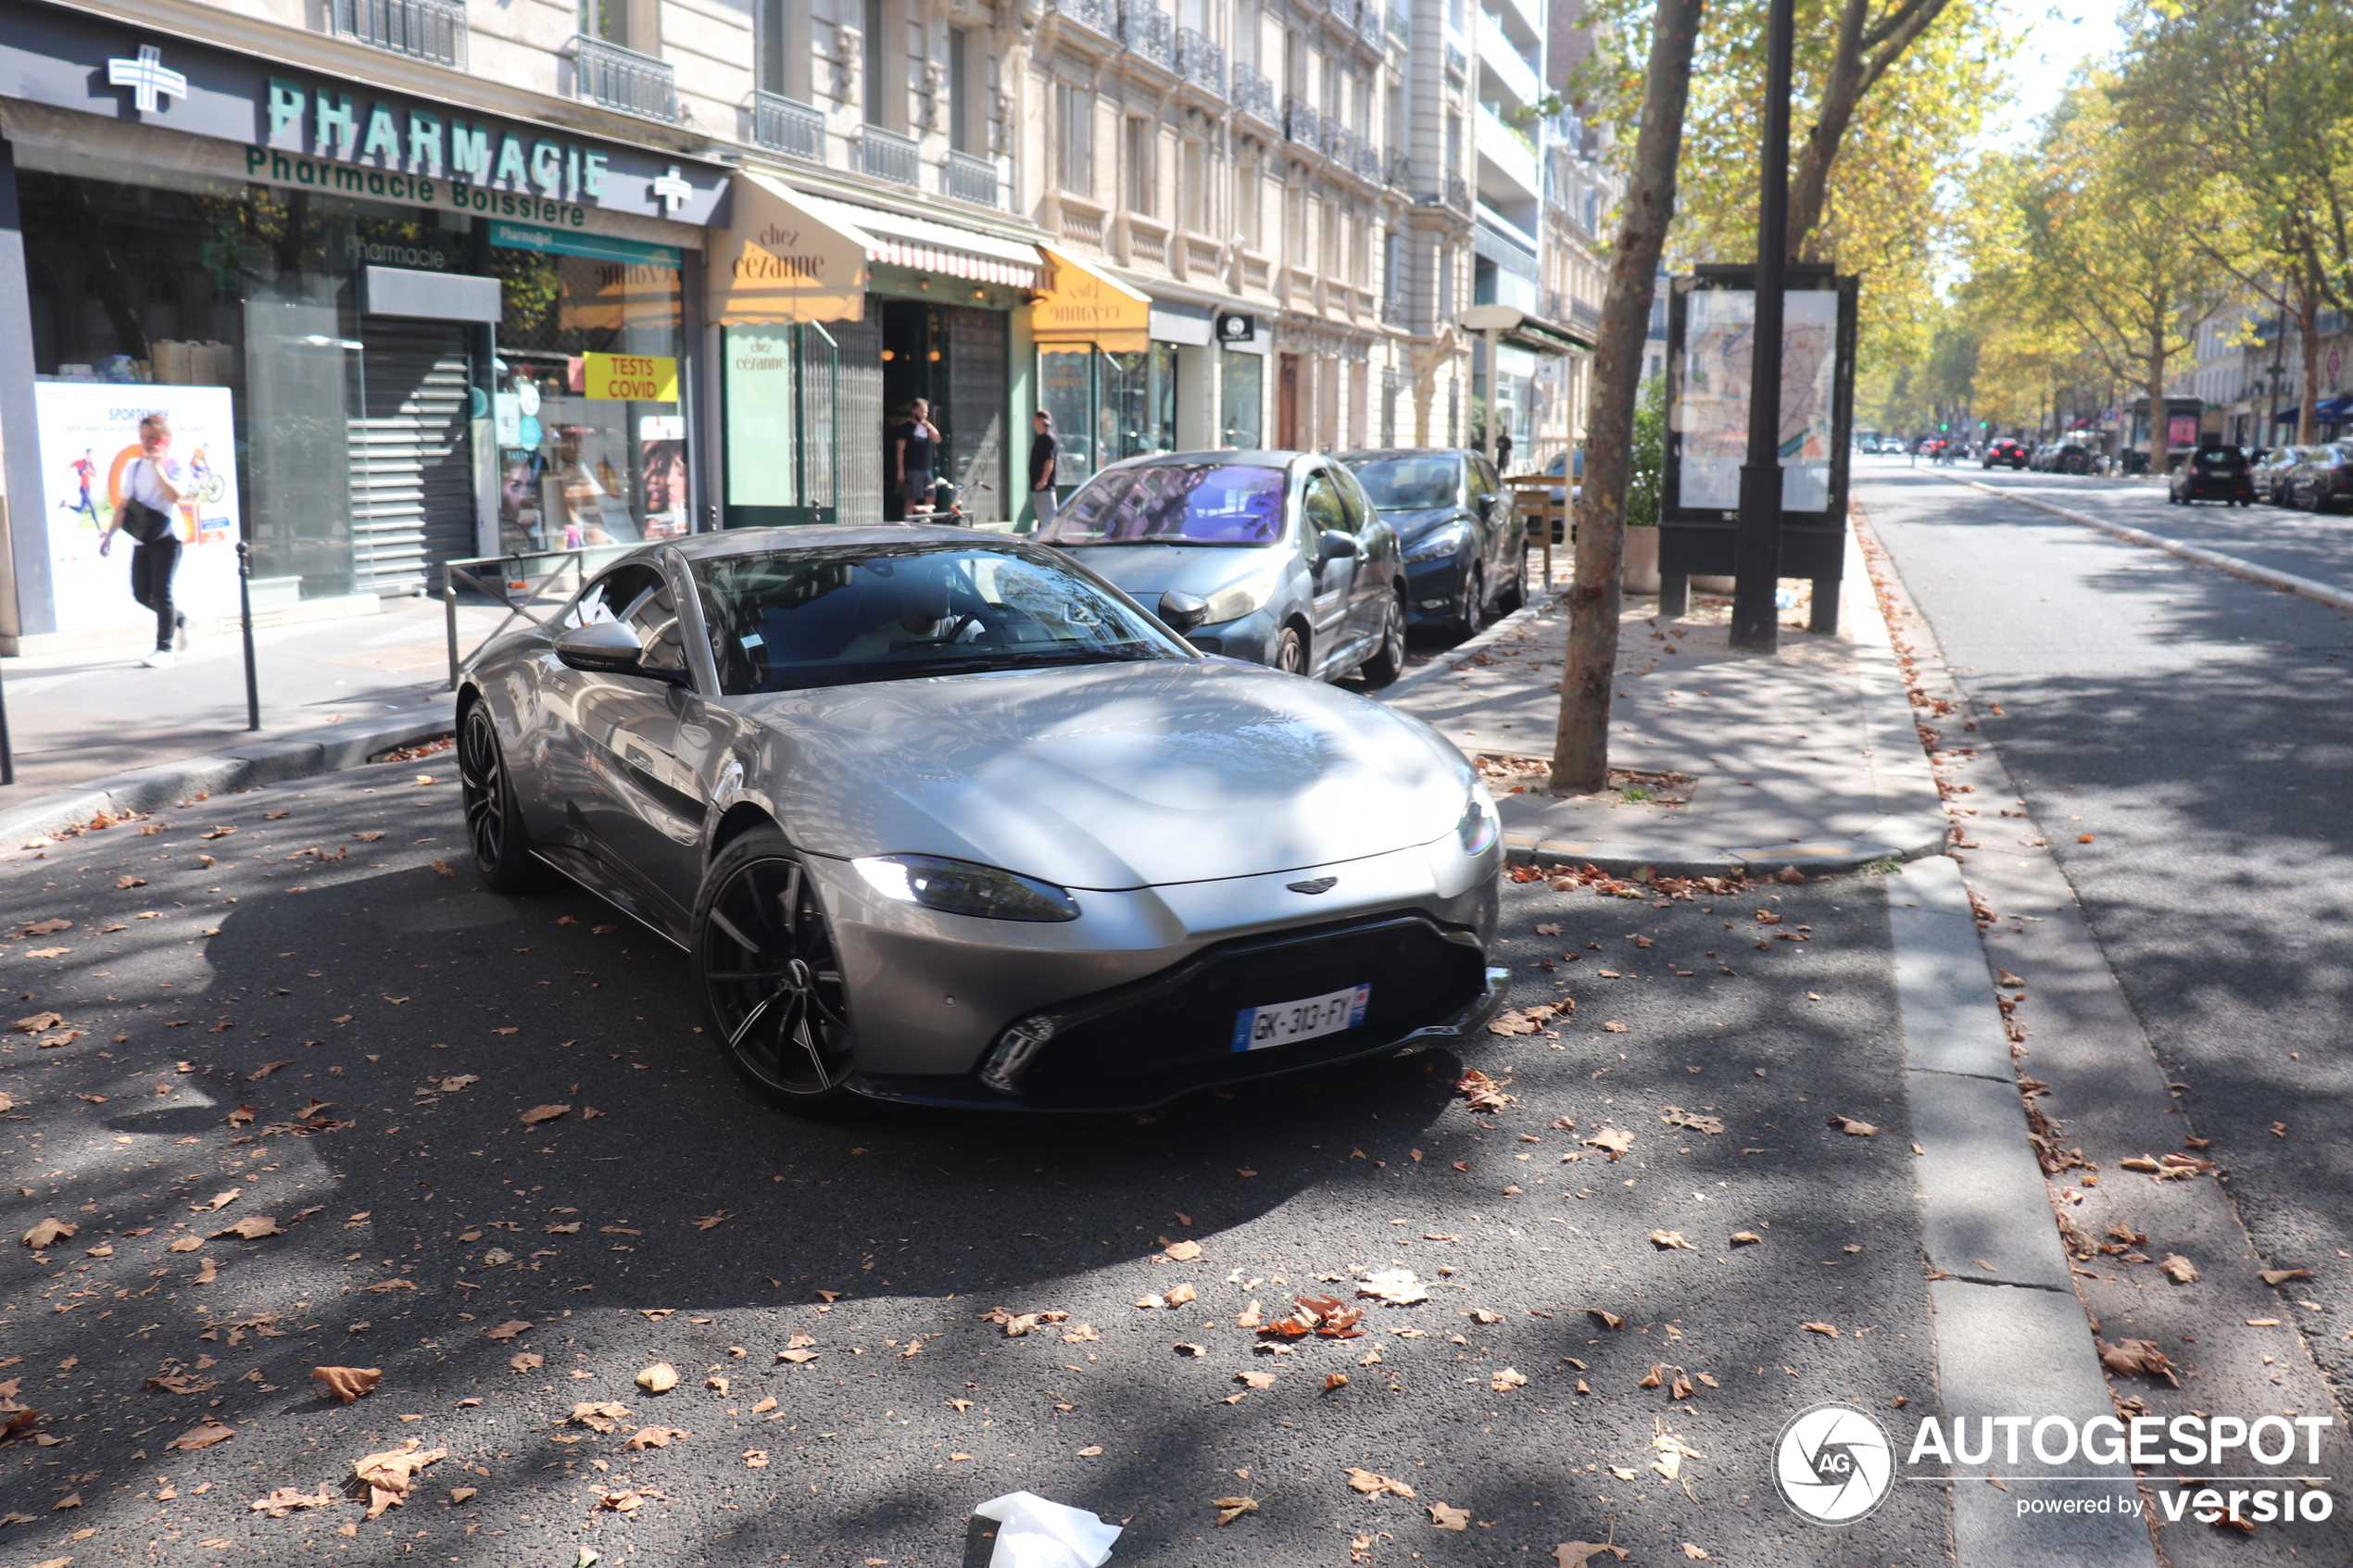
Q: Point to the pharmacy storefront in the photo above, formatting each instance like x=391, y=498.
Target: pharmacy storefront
x=387, y=332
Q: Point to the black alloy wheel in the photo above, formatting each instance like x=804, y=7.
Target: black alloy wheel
x=1387, y=660
x=493, y=826
x=771, y=980
x=1290, y=652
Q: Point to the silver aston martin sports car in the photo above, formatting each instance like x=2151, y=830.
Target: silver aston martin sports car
x=941, y=816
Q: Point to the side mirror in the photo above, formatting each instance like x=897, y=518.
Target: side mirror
x=1338, y=546
x=608, y=649
x=1486, y=504
x=1181, y=611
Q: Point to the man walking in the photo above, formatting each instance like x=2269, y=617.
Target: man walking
x=1043, y=461
x=151, y=487
x=911, y=445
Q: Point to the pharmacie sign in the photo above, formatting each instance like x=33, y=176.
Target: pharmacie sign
x=295, y=128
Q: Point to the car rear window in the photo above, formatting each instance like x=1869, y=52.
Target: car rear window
x=1412, y=484
x=1174, y=504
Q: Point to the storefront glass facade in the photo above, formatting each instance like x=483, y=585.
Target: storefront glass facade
x=368, y=447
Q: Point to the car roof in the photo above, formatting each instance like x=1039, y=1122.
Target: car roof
x=1263, y=458
x=1368, y=454
x=747, y=541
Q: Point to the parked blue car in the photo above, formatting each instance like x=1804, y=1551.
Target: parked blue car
x=1466, y=547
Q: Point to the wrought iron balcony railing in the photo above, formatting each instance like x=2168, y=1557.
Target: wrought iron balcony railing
x=1301, y=125
x=886, y=155
x=615, y=78
x=423, y=30
x=1201, y=61
x=1401, y=168
x=969, y=179
x=1146, y=30
x=784, y=125
x=1099, y=16
x=1253, y=93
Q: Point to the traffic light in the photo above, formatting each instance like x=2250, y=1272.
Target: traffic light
x=1944, y=427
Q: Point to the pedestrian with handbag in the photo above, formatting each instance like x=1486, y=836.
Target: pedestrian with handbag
x=912, y=443
x=151, y=487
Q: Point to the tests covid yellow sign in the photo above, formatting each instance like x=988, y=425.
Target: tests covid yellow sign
x=633, y=378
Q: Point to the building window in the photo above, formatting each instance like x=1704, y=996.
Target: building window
x=1142, y=186
x=607, y=20
x=1392, y=265
x=1197, y=187
x=783, y=43
x=960, y=80
x=1075, y=140
x=1246, y=200
x=877, y=34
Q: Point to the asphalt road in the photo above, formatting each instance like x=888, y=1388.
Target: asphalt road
x=2181, y=736
x=2309, y=545
x=679, y=1222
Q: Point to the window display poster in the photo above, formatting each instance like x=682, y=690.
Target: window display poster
x=89, y=437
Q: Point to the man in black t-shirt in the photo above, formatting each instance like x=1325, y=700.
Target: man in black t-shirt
x=911, y=445
x=1043, y=461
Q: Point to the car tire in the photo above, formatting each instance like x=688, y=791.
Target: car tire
x=1474, y=610
x=1515, y=594
x=1290, y=652
x=1387, y=660
x=771, y=981
x=486, y=793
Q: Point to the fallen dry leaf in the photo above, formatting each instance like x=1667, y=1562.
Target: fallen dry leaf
x=526, y=1361
x=1576, y=1554
x=2178, y=1269
x=1852, y=1127
x=539, y=1114
x=1695, y=1553
x=202, y=1435
x=1821, y=1328
x=1615, y=1027
x=2130, y=1356
x=286, y=1500
x=1015, y=1324
x=185, y=1244
x=253, y=1227
x=1374, y=1485
x=604, y=1415
x=1614, y=1141
x=1397, y=1287
x=1181, y=1251
x=462, y=1495
x=1230, y=1508
x=347, y=1382
x=1447, y=1518
x=1481, y=1093
x=48, y=1233
x=2281, y=1276
x=507, y=1330
x=1747, y=1239
x=659, y=1378
x=1506, y=1379
x=390, y=1475
x=1606, y=1319
x=1676, y=1116
x=1669, y=1241
x=706, y=1222
x=653, y=1438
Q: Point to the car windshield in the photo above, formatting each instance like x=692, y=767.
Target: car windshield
x=789, y=620
x=1172, y=504
x=2220, y=456
x=1412, y=484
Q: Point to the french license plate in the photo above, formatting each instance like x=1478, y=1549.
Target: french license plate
x=1257, y=1028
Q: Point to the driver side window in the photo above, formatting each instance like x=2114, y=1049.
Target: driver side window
x=639, y=594
x=1323, y=508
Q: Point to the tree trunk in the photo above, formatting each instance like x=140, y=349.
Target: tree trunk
x=1581, y=743
x=2160, y=456
x=2308, y=320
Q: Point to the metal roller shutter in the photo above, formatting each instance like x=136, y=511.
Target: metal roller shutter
x=412, y=495
x=975, y=402
x=861, y=402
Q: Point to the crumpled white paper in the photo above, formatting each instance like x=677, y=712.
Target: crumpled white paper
x=1036, y=1534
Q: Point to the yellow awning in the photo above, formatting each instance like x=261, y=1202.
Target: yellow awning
x=779, y=261
x=1081, y=307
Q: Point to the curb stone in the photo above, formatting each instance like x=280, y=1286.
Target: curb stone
x=1444, y=663
x=262, y=762
x=2271, y=577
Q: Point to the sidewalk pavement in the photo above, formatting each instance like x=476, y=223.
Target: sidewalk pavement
x=1720, y=762
x=97, y=732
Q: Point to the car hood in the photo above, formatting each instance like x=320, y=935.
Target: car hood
x=1107, y=776
x=1146, y=571
x=1419, y=522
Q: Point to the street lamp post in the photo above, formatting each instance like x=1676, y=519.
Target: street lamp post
x=1757, y=549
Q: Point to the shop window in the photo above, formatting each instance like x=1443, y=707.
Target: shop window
x=1241, y=391
x=577, y=468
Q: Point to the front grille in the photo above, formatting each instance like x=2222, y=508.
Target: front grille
x=1179, y=1027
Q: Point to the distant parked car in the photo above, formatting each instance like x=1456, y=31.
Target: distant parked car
x=2006, y=450
x=2214, y=471
x=2272, y=470
x=1466, y=549
x=1275, y=557
x=2324, y=479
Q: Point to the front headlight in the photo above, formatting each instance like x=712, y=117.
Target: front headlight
x=963, y=887
x=1437, y=544
x=1479, y=823
x=1238, y=599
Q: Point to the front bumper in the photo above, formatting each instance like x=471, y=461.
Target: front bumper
x=1247, y=637
x=1433, y=590
x=1155, y=1040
